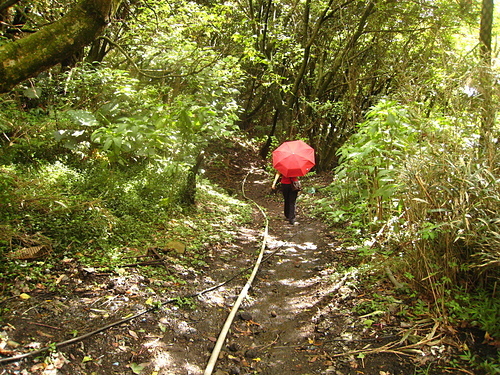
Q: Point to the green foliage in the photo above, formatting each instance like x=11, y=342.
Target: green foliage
x=480, y=308
x=7, y=189
x=376, y=305
x=98, y=158
x=132, y=123
x=59, y=197
x=422, y=188
x=185, y=303
x=373, y=154
x=47, y=203
x=450, y=201
x=222, y=215
x=96, y=214
x=24, y=134
x=127, y=140
x=489, y=366
x=367, y=178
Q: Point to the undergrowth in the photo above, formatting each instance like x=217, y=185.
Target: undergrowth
x=99, y=216
x=416, y=197
x=109, y=166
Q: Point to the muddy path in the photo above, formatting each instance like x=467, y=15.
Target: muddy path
x=298, y=317
x=276, y=329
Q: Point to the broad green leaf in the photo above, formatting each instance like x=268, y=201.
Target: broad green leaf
x=137, y=368
x=83, y=118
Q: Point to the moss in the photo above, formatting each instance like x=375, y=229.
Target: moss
x=54, y=43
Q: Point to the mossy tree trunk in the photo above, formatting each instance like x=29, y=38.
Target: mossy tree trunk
x=54, y=43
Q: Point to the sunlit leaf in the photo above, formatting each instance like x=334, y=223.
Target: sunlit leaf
x=82, y=117
x=137, y=368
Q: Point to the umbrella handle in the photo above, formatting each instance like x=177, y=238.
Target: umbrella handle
x=275, y=180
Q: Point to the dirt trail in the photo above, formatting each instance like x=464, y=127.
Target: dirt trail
x=276, y=331
x=298, y=309
x=298, y=317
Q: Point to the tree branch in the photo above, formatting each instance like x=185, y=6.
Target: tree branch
x=7, y=4
x=51, y=45
x=161, y=74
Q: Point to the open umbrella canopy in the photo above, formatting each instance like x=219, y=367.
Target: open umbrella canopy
x=293, y=158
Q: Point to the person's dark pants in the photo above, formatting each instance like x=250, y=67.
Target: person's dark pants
x=290, y=197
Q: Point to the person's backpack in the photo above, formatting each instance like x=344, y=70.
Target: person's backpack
x=296, y=186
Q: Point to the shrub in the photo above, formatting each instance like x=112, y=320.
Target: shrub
x=423, y=188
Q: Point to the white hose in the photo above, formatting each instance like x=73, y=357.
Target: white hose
x=222, y=336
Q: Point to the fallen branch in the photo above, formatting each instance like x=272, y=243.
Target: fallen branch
x=271, y=344
x=145, y=263
x=368, y=339
x=75, y=339
x=391, y=277
x=45, y=325
x=459, y=370
x=395, y=346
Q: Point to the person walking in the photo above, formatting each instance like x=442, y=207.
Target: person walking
x=290, y=194
x=291, y=160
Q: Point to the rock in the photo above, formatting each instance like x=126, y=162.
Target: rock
x=183, y=329
x=234, y=347
x=196, y=316
x=13, y=344
x=273, y=314
x=324, y=326
x=251, y=353
x=245, y=316
x=177, y=246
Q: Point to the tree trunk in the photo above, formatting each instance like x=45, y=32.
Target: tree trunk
x=264, y=151
x=348, y=47
x=188, y=194
x=54, y=43
x=307, y=44
x=486, y=79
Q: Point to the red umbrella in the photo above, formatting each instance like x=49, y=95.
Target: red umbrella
x=293, y=158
